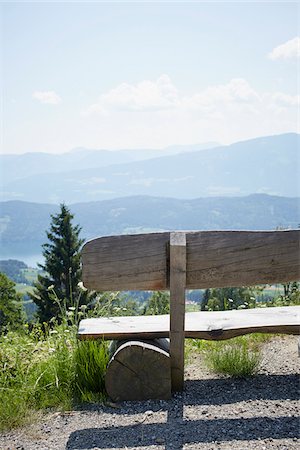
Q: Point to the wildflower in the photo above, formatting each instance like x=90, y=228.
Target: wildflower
x=70, y=313
x=230, y=300
x=124, y=309
x=83, y=307
x=81, y=286
x=72, y=308
x=50, y=288
x=53, y=332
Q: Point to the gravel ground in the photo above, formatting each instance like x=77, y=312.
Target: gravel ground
x=212, y=413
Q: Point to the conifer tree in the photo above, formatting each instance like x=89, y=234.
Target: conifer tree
x=58, y=287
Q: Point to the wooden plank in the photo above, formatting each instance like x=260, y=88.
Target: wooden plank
x=210, y=325
x=242, y=258
x=214, y=259
x=177, y=307
x=130, y=262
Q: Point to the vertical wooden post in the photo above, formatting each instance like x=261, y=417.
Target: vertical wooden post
x=177, y=307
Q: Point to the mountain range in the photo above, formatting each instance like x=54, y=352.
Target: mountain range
x=267, y=165
x=23, y=224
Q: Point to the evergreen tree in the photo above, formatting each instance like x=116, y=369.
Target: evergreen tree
x=57, y=288
x=11, y=310
x=159, y=303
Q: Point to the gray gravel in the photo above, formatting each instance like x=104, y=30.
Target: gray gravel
x=212, y=413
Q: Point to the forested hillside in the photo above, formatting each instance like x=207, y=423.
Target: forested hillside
x=23, y=225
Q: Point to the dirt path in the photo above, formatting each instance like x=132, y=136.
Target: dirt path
x=212, y=413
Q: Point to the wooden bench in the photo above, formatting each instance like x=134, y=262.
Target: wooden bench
x=177, y=261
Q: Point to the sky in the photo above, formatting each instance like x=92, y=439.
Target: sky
x=115, y=75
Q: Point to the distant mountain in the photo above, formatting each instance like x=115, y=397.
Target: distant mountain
x=15, y=167
x=263, y=165
x=23, y=225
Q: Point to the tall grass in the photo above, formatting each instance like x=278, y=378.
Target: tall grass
x=90, y=360
x=47, y=370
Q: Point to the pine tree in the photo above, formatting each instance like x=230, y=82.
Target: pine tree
x=58, y=286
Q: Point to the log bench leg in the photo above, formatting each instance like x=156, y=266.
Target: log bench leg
x=139, y=370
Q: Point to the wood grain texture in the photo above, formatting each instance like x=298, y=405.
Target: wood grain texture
x=214, y=259
x=210, y=325
x=131, y=262
x=242, y=258
x=138, y=371
x=177, y=308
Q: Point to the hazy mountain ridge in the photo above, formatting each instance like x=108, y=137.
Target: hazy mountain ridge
x=16, y=167
x=23, y=225
x=262, y=165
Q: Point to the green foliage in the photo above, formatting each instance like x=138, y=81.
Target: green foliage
x=235, y=360
x=159, y=303
x=91, y=359
x=47, y=369
x=11, y=311
x=110, y=304
x=229, y=298
x=62, y=271
x=237, y=357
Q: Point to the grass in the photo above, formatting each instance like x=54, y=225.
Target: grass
x=238, y=357
x=45, y=372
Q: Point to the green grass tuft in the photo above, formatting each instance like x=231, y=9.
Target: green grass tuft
x=237, y=357
x=234, y=360
x=90, y=359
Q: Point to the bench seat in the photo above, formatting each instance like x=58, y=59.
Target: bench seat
x=210, y=325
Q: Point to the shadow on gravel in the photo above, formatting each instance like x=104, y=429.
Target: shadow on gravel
x=177, y=431
x=176, y=434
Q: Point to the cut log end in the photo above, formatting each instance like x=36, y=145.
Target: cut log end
x=139, y=371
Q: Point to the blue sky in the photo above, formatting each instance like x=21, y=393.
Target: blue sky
x=146, y=75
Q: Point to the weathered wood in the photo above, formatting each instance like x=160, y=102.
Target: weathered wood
x=214, y=259
x=132, y=262
x=210, y=325
x=139, y=371
x=242, y=258
x=177, y=307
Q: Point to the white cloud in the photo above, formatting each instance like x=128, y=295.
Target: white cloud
x=144, y=96
x=288, y=50
x=48, y=97
x=156, y=114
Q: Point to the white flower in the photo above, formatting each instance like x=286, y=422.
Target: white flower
x=230, y=300
x=72, y=308
x=53, y=332
x=83, y=307
x=81, y=286
x=50, y=288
